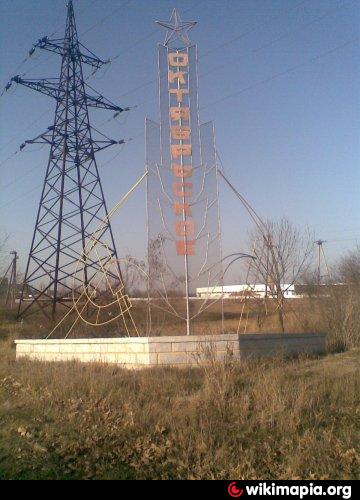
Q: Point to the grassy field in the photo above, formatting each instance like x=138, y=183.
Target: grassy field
x=279, y=419
x=239, y=316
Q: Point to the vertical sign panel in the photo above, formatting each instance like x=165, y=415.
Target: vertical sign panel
x=182, y=198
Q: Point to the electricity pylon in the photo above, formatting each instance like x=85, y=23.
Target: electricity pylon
x=72, y=202
x=320, y=257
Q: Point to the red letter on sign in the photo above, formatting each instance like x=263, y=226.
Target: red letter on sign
x=182, y=189
x=177, y=114
x=178, y=59
x=182, y=208
x=178, y=150
x=185, y=248
x=182, y=171
x=180, y=133
x=177, y=75
x=185, y=228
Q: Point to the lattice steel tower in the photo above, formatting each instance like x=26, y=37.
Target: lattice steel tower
x=72, y=202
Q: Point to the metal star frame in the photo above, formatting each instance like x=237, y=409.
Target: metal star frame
x=176, y=29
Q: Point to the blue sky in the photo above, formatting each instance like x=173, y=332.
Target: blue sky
x=279, y=78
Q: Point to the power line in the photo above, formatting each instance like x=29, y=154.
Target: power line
x=342, y=230
x=344, y=239
x=283, y=73
x=271, y=42
x=269, y=79
x=253, y=29
x=22, y=196
x=150, y=82
x=55, y=30
x=98, y=23
x=272, y=77
x=261, y=82
x=26, y=174
x=150, y=34
x=38, y=186
x=24, y=130
x=282, y=36
x=86, y=31
x=9, y=157
x=28, y=57
x=47, y=58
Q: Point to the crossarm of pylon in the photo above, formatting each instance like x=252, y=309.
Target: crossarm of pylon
x=43, y=138
x=49, y=87
x=57, y=45
x=104, y=141
x=51, y=45
x=100, y=102
x=92, y=60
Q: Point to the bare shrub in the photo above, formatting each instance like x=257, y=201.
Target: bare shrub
x=338, y=307
x=218, y=376
x=341, y=314
x=282, y=254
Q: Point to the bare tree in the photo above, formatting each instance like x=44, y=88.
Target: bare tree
x=156, y=266
x=133, y=274
x=3, y=241
x=282, y=253
x=339, y=307
x=3, y=263
x=349, y=267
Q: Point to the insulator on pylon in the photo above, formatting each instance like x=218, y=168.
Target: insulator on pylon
x=43, y=40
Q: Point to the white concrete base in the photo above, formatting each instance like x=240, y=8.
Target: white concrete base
x=174, y=351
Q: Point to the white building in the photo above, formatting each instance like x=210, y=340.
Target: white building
x=250, y=291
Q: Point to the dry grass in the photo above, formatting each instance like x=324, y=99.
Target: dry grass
x=299, y=315
x=280, y=419
x=338, y=315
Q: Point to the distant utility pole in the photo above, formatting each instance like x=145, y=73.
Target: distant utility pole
x=12, y=283
x=321, y=255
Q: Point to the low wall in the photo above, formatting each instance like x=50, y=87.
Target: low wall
x=174, y=351
x=286, y=344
